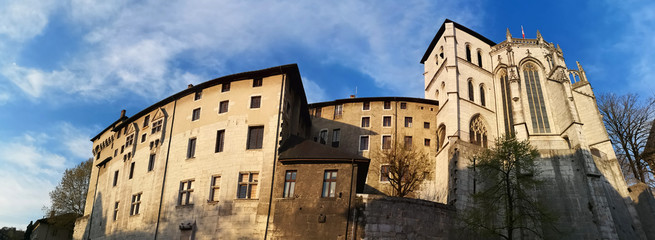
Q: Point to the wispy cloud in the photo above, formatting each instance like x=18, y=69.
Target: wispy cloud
x=142, y=48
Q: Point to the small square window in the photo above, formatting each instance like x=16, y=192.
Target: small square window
x=136, y=203
x=198, y=96
x=384, y=173
x=363, y=143
x=408, y=142
x=338, y=111
x=386, y=142
x=366, y=122
x=408, y=121
x=196, y=114
x=220, y=140
x=146, y=120
x=255, y=101
x=247, y=187
x=225, y=87
x=289, y=183
x=143, y=137
x=426, y=142
x=387, y=104
x=322, y=136
x=156, y=126
x=403, y=105
x=426, y=125
x=366, y=105
x=222, y=108
x=186, y=189
x=257, y=82
x=386, y=121
x=255, y=137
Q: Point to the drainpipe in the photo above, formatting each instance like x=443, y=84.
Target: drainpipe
x=277, y=135
x=350, y=196
x=168, y=151
x=95, y=193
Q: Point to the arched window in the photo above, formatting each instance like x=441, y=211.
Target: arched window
x=479, y=59
x=468, y=53
x=478, y=132
x=482, y=100
x=436, y=95
x=471, y=96
x=508, y=117
x=441, y=52
x=441, y=136
x=535, y=99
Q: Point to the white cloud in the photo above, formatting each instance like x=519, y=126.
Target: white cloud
x=76, y=141
x=313, y=91
x=24, y=19
x=138, y=48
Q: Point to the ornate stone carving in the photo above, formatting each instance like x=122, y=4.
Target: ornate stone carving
x=477, y=126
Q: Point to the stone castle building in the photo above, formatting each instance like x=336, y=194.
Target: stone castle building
x=245, y=157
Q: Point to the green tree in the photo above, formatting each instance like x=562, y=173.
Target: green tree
x=407, y=167
x=70, y=195
x=505, y=205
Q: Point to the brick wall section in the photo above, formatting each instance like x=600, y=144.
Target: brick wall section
x=381, y=217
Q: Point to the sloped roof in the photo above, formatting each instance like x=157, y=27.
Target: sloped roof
x=299, y=149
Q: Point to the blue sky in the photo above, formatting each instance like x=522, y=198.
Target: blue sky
x=69, y=67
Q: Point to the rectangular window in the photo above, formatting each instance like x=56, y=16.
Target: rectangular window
x=366, y=105
x=184, y=197
x=426, y=125
x=115, y=211
x=408, y=121
x=196, y=114
x=248, y=185
x=317, y=112
x=408, y=142
x=366, y=122
x=329, y=183
x=225, y=87
x=136, y=203
x=257, y=82
x=338, y=111
x=255, y=101
x=255, y=137
x=115, y=178
x=336, y=137
x=386, y=142
x=131, y=170
x=129, y=140
x=386, y=121
x=156, y=126
x=426, y=142
x=191, y=149
x=198, y=96
x=403, y=105
x=214, y=188
x=122, y=149
x=289, y=184
x=222, y=107
x=384, y=173
x=363, y=143
x=322, y=136
x=151, y=162
x=387, y=104
x=220, y=140
x=146, y=121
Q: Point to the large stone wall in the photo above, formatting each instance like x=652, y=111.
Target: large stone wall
x=382, y=217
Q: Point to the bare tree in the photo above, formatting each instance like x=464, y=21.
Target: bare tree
x=628, y=121
x=505, y=206
x=70, y=195
x=407, y=168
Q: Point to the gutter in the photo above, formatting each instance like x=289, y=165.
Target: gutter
x=163, y=183
x=277, y=142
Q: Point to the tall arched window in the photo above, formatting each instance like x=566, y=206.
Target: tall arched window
x=468, y=53
x=441, y=136
x=508, y=117
x=535, y=99
x=478, y=132
x=479, y=59
x=482, y=100
x=471, y=96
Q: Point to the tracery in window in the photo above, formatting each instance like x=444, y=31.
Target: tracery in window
x=478, y=132
x=538, y=113
x=508, y=117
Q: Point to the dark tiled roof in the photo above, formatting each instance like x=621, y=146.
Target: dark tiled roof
x=299, y=149
x=374, y=99
x=458, y=26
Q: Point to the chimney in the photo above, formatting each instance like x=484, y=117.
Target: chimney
x=352, y=96
x=190, y=85
x=122, y=113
